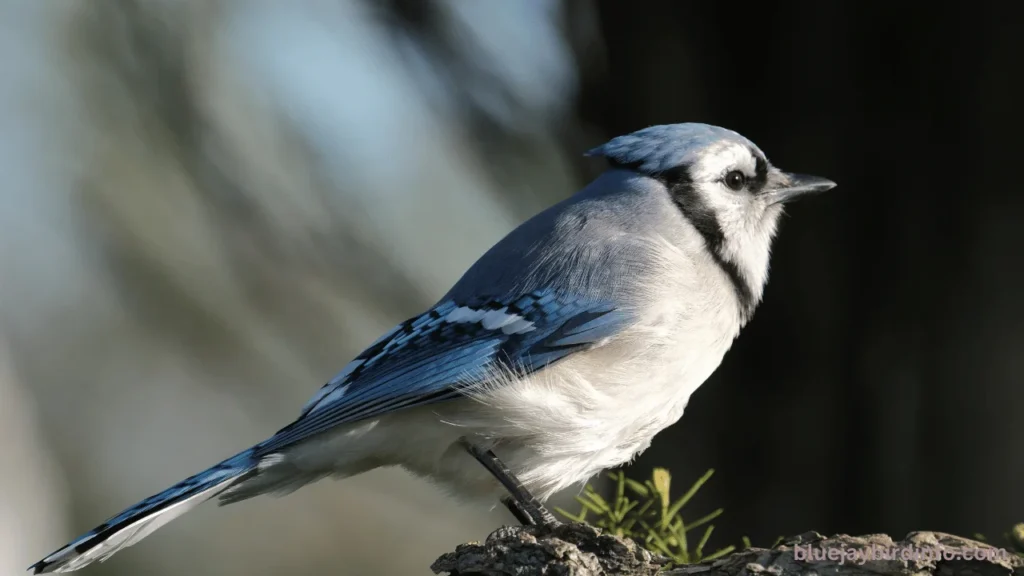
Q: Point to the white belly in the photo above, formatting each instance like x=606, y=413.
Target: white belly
x=554, y=429
x=595, y=411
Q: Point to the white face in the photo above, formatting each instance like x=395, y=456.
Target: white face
x=727, y=178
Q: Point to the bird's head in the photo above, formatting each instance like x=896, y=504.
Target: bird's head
x=724, y=186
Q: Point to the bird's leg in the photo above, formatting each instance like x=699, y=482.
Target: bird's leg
x=518, y=511
x=523, y=505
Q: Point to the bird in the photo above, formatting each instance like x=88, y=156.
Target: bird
x=562, y=351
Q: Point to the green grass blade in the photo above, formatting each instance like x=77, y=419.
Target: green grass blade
x=588, y=505
x=705, y=519
x=719, y=553
x=703, y=541
x=638, y=487
x=600, y=502
x=581, y=517
x=678, y=504
x=679, y=531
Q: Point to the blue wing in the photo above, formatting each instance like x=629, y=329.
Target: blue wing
x=427, y=359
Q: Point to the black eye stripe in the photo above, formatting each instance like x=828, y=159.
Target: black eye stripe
x=760, y=172
x=702, y=217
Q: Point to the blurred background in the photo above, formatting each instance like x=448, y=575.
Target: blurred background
x=207, y=207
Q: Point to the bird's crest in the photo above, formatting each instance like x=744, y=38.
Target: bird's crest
x=658, y=149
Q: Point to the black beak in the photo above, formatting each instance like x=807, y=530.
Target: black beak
x=796, y=186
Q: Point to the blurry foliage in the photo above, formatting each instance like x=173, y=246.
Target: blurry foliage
x=645, y=512
x=1015, y=538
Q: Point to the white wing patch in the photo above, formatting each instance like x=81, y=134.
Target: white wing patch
x=269, y=461
x=499, y=319
x=491, y=319
x=464, y=314
x=334, y=392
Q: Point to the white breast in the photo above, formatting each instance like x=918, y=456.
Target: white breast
x=599, y=409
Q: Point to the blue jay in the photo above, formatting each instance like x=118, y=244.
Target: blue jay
x=561, y=352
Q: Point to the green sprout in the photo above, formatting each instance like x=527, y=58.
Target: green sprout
x=646, y=513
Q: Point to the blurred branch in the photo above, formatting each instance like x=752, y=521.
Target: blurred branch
x=583, y=550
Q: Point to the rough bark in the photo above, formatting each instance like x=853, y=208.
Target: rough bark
x=581, y=550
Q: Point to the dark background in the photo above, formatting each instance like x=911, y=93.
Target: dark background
x=879, y=387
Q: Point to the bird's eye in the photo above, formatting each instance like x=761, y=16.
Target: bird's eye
x=735, y=180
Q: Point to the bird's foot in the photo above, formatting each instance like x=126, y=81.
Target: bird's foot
x=524, y=506
x=527, y=515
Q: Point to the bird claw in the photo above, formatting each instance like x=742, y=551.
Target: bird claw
x=528, y=515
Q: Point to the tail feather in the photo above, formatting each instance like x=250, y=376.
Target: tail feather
x=139, y=521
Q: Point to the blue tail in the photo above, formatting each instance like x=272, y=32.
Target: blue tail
x=142, y=519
